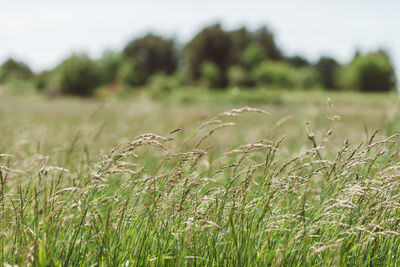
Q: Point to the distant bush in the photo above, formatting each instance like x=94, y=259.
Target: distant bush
x=151, y=54
x=226, y=49
x=238, y=76
x=307, y=77
x=212, y=44
x=109, y=65
x=129, y=75
x=253, y=55
x=211, y=74
x=42, y=80
x=370, y=72
x=271, y=73
x=161, y=84
x=214, y=57
x=297, y=61
x=328, y=69
x=78, y=75
x=12, y=69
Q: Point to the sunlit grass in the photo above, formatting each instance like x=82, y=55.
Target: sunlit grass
x=82, y=185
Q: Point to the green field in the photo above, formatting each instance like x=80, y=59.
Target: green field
x=313, y=182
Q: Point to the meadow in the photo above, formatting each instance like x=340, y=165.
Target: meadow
x=253, y=178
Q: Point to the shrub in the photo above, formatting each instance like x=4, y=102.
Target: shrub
x=238, y=76
x=12, y=69
x=42, y=80
x=78, y=75
x=151, y=54
x=109, y=65
x=254, y=55
x=370, y=72
x=271, y=73
x=161, y=83
x=328, y=71
x=297, y=61
x=307, y=77
x=211, y=74
x=128, y=75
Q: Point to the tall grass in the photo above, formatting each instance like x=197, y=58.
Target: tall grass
x=157, y=201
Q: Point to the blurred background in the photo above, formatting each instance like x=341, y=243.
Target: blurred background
x=103, y=48
x=273, y=132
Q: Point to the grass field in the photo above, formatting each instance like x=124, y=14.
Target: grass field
x=300, y=178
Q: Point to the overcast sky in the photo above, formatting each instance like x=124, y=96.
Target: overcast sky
x=43, y=32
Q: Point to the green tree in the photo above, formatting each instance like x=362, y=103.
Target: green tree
x=109, y=64
x=210, y=45
x=297, y=61
x=265, y=38
x=372, y=72
x=211, y=74
x=239, y=40
x=328, y=68
x=13, y=69
x=225, y=49
x=151, y=54
x=253, y=55
x=78, y=75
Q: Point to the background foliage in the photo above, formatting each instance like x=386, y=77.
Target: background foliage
x=214, y=58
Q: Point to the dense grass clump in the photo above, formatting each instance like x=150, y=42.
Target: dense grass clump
x=157, y=201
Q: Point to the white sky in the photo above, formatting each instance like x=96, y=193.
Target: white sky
x=43, y=32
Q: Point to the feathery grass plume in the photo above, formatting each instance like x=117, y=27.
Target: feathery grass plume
x=153, y=201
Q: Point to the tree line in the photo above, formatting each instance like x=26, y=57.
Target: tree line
x=214, y=58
